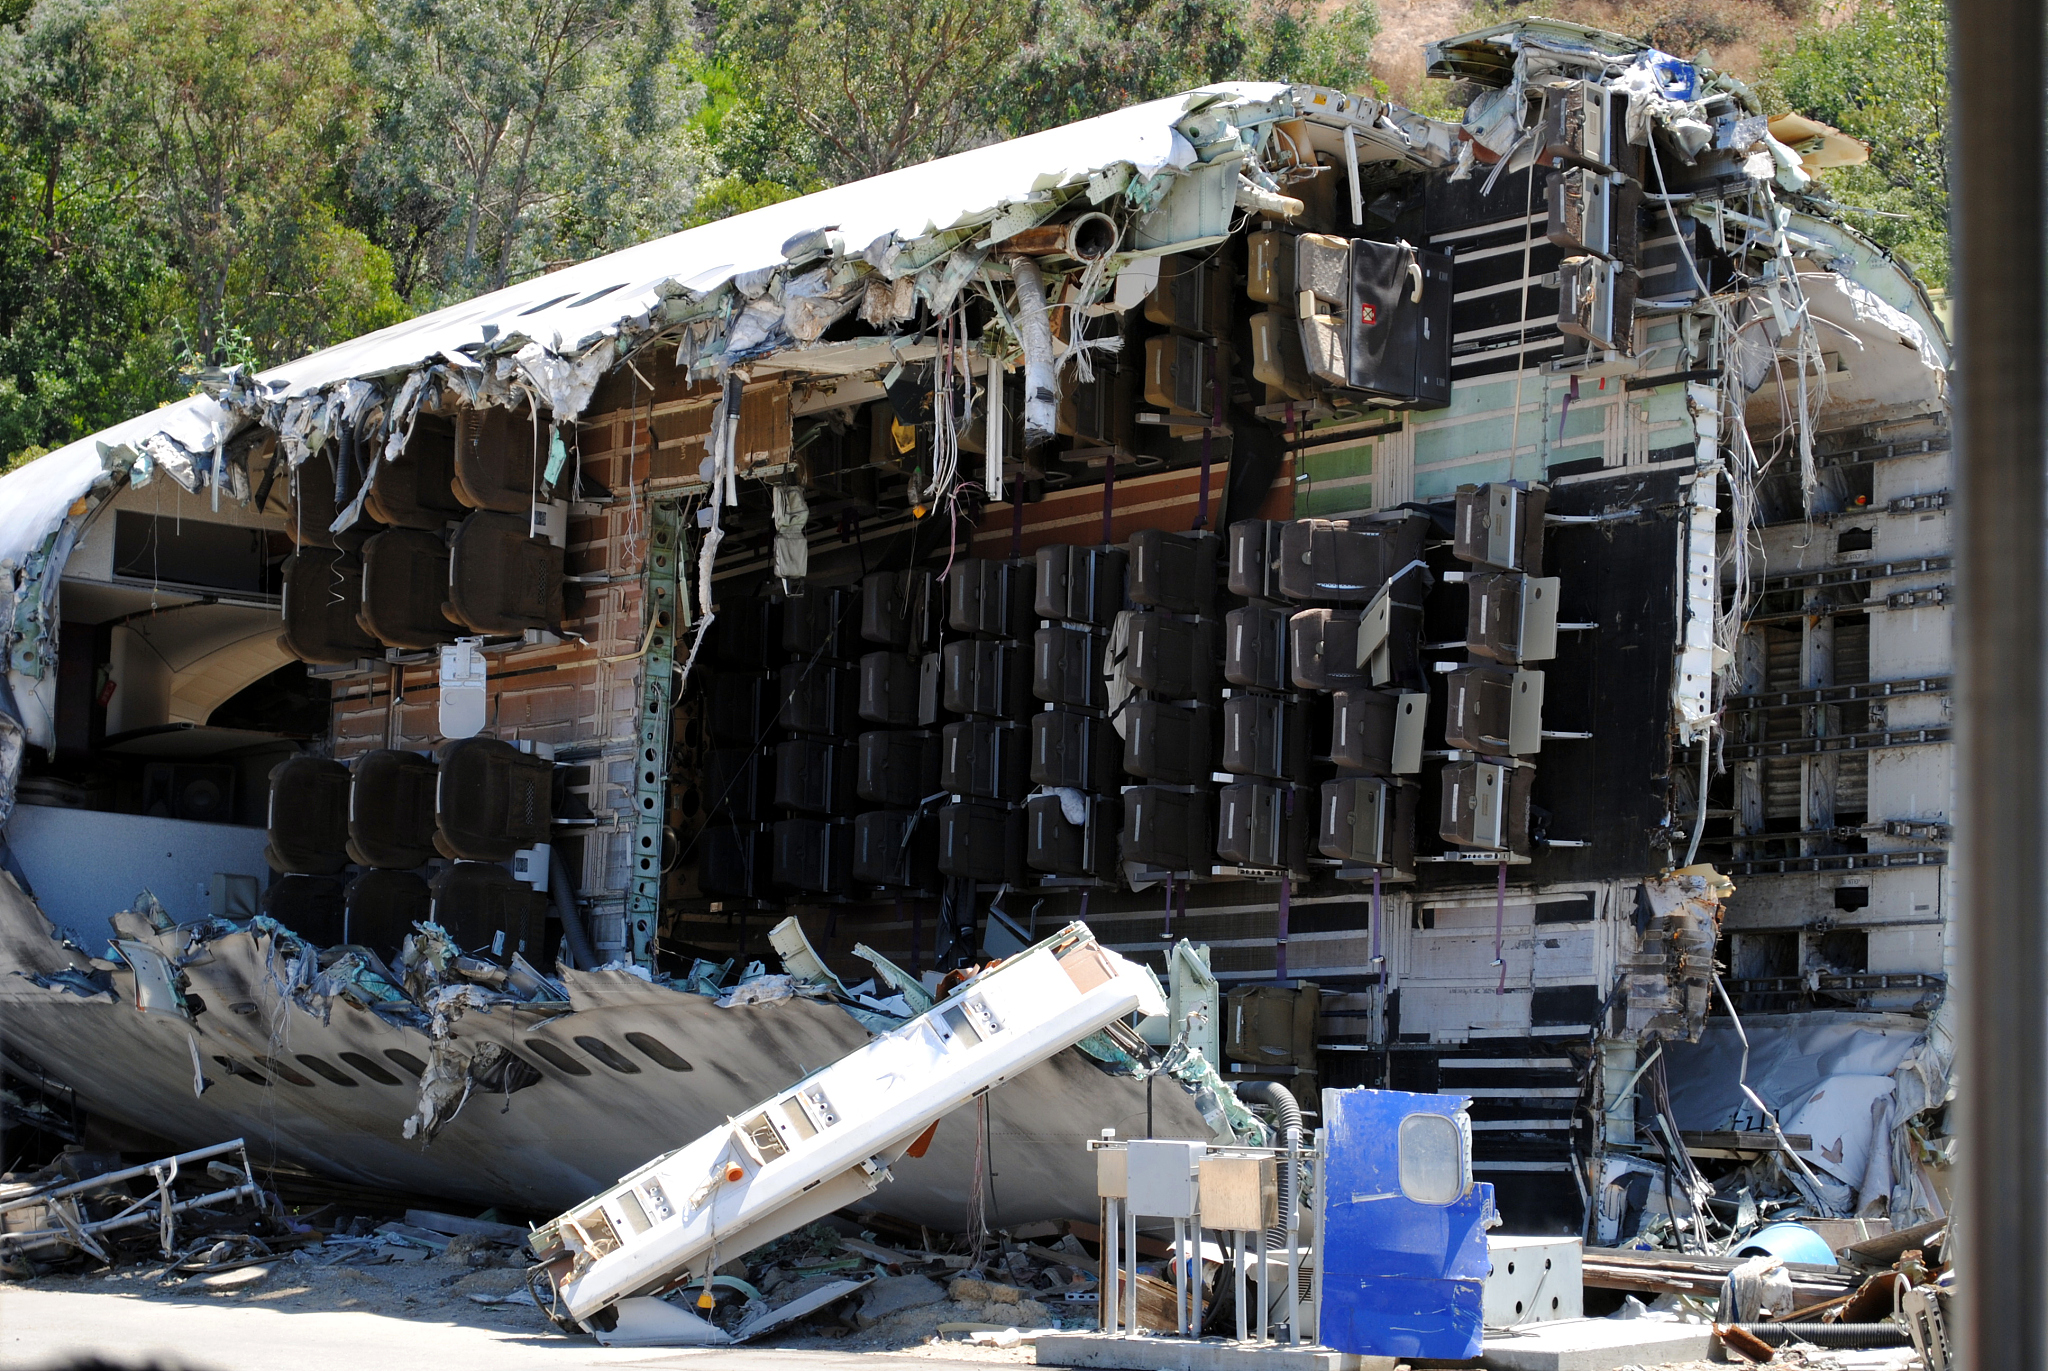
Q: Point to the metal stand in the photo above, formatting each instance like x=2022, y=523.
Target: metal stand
x=1240, y=1257
x=1293, y=1221
x=1131, y=1283
x=1111, y=1285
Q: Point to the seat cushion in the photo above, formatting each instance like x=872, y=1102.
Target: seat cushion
x=501, y=580
x=323, y=594
x=496, y=452
x=488, y=912
x=382, y=907
x=391, y=810
x=418, y=490
x=310, y=906
x=308, y=824
x=405, y=575
x=493, y=800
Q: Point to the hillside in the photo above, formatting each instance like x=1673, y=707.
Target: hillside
x=1737, y=33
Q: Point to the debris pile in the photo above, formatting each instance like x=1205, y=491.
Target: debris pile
x=200, y=1210
x=867, y=1282
x=1799, y=1303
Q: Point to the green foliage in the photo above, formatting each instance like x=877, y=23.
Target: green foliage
x=237, y=109
x=82, y=291
x=517, y=133
x=874, y=86
x=750, y=155
x=1882, y=76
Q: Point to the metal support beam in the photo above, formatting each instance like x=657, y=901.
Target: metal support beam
x=1997, y=153
x=657, y=707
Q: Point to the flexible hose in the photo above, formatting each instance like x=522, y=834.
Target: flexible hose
x=1286, y=1115
x=582, y=957
x=1829, y=1334
x=1041, y=374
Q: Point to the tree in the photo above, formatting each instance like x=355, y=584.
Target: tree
x=1090, y=56
x=239, y=109
x=84, y=283
x=1882, y=76
x=518, y=133
x=876, y=86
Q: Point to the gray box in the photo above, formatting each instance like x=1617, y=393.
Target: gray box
x=1164, y=1177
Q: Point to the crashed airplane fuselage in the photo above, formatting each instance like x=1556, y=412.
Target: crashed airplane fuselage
x=1422, y=561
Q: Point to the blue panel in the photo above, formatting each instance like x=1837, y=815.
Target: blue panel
x=1399, y=1278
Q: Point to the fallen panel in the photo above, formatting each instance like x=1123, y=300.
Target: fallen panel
x=79, y=1024
x=1596, y=1345
x=829, y=1141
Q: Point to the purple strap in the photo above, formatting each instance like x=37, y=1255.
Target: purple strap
x=1280, y=941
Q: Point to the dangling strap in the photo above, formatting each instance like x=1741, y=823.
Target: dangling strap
x=1280, y=937
x=1209, y=426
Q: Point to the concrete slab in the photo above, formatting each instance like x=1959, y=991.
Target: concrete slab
x=1114, y=1353
x=1595, y=1345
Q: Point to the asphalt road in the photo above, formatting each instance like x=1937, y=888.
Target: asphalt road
x=42, y=1329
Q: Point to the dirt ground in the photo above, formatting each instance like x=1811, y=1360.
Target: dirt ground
x=432, y=1299
x=443, y=1290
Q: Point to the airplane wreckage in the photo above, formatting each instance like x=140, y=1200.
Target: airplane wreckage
x=1465, y=602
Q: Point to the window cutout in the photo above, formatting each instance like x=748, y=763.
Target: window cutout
x=327, y=1069
x=283, y=1072
x=235, y=1068
x=545, y=304
x=365, y=1067
x=1432, y=1159
x=598, y=295
x=557, y=1058
x=633, y=1212
x=657, y=1051
x=406, y=1060
x=609, y=1055
x=1853, y=540
x=1850, y=898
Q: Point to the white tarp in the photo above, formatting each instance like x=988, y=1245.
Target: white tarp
x=1844, y=1082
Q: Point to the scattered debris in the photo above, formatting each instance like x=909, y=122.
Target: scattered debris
x=77, y=1206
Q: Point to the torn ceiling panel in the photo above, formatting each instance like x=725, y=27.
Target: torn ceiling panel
x=565, y=314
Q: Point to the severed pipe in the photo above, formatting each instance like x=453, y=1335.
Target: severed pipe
x=1041, y=368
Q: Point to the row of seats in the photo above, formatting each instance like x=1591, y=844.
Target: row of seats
x=482, y=800
x=489, y=459
x=444, y=544
x=1094, y=739
x=484, y=908
x=413, y=589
